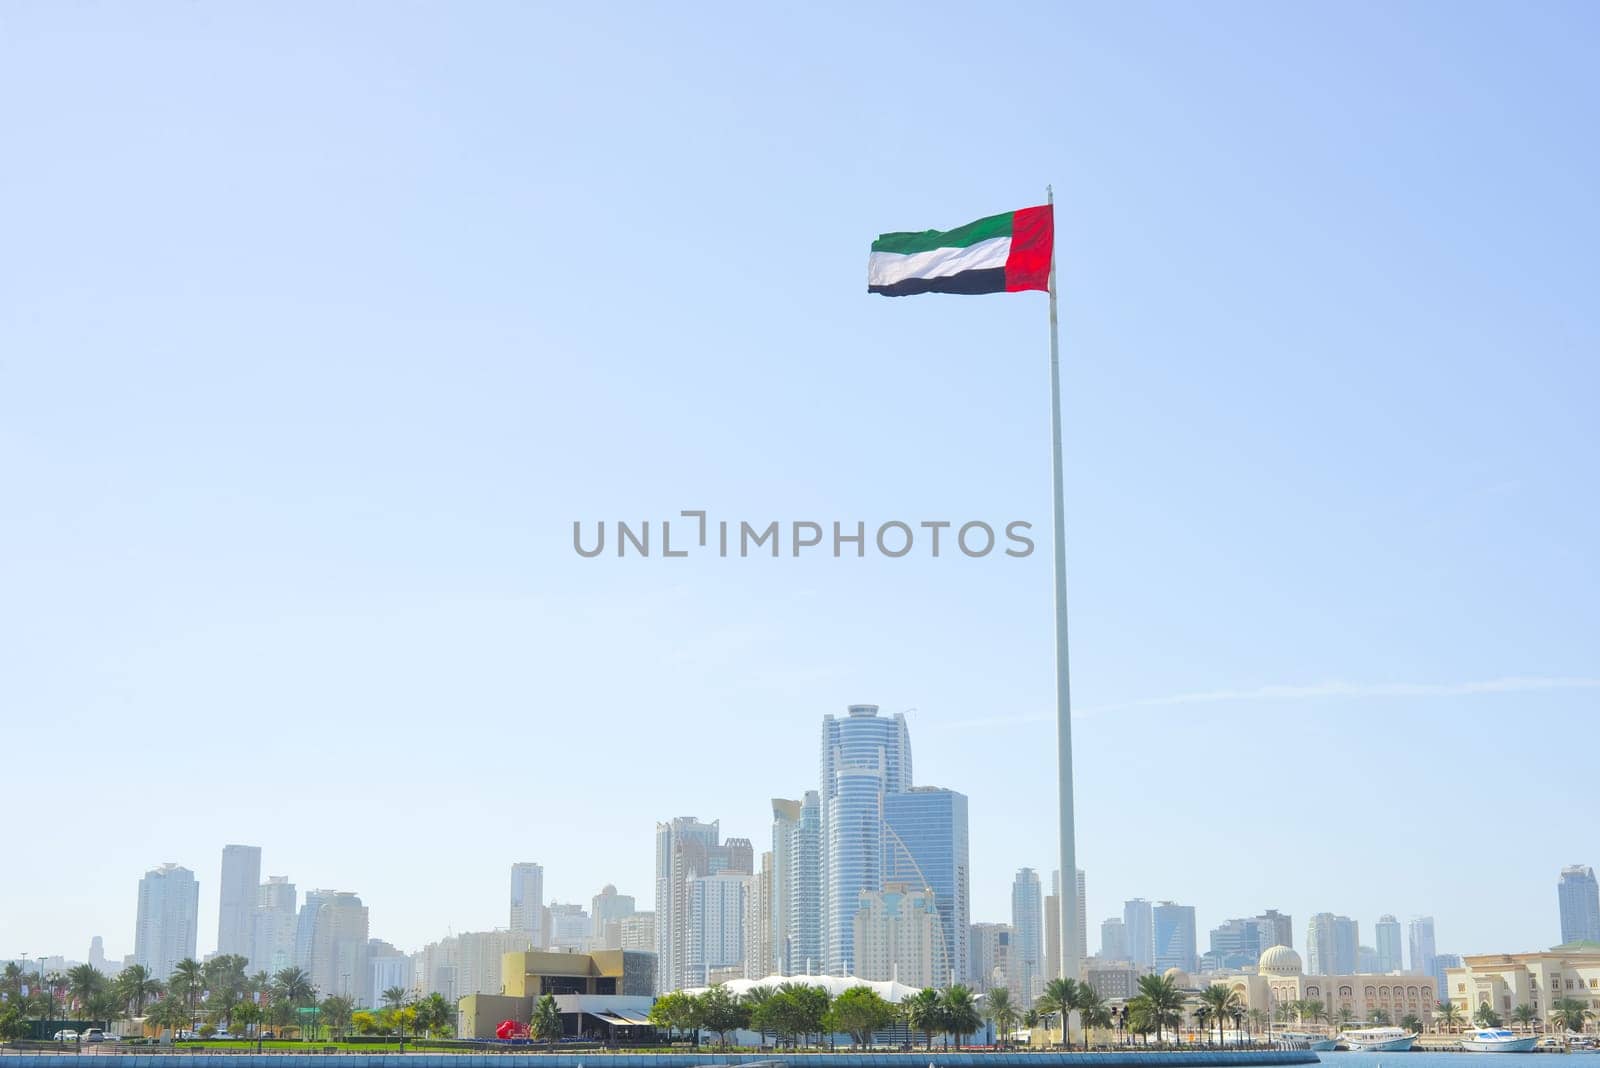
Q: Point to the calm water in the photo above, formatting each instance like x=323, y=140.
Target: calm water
x=1419, y=1059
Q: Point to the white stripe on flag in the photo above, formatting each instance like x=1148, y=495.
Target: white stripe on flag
x=887, y=268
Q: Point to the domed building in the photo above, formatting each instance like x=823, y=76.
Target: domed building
x=1280, y=981
x=1279, y=960
x=1179, y=978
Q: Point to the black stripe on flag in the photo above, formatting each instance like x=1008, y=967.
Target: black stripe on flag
x=988, y=280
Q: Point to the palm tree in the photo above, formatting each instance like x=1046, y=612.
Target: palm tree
x=1060, y=997
x=83, y=982
x=187, y=981
x=1258, y=1018
x=1447, y=1015
x=434, y=1015
x=922, y=1012
x=959, y=1011
x=546, y=1022
x=1485, y=1016
x=1570, y=1014
x=1346, y=1015
x=169, y=1013
x=135, y=985
x=293, y=985
x=1002, y=1011
x=1525, y=1016
x=1412, y=1022
x=337, y=1009
x=1222, y=1002
x=1092, y=1010
x=1380, y=1018
x=1163, y=1002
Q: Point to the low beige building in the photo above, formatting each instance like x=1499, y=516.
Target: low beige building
x=1506, y=980
x=1280, y=981
x=526, y=977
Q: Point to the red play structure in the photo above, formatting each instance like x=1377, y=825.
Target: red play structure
x=511, y=1029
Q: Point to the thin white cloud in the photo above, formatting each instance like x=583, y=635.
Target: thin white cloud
x=1313, y=692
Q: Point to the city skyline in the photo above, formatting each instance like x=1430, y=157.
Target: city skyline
x=297, y=417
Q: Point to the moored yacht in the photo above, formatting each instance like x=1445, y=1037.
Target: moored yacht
x=1497, y=1040
x=1378, y=1040
x=1308, y=1040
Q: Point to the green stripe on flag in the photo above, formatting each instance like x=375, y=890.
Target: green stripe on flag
x=960, y=237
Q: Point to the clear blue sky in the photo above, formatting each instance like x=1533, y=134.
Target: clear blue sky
x=320, y=324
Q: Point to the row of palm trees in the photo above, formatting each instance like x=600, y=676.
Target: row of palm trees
x=218, y=994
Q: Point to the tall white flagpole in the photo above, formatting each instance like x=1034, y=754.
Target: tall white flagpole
x=1071, y=952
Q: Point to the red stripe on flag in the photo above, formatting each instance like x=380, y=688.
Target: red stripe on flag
x=1033, y=239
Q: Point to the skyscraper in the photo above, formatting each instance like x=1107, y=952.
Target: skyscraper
x=272, y=946
x=758, y=956
x=527, y=902
x=1113, y=939
x=305, y=926
x=1141, y=932
x=1052, y=928
x=1419, y=932
x=897, y=936
x=339, y=938
x=687, y=849
x=1579, y=896
x=606, y=910
x=714, y=937
x=1276, y=929
x=569, y=927
x=1332, y=945
x=1174, y=937
x=925, y=830
x=1387, y=935
x=236, y=905
x=168, y=915
x=989, y=952
x=1025, y=971
x=797, y=885
x=864, y=757
x=1236, y=944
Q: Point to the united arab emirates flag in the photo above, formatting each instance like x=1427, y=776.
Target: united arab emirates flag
x=1006, y=253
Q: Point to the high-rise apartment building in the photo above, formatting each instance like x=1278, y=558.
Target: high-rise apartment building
x=1174, y=937
x=1113, y=939
x=1025, y=971
x=339, y=939
x=1389, y=956
x=1276, y=929
x=606, y=910
x=1419, y=933
x=272, y=945
x=715, y=936
x=758, y=958
x=305, y=925
x=638, y=932
x=796, y=910
x=168, y=917
x=1578, y=894
x=391, y=969
x=925, y=834
x=989, y=955
x=570, y=928
x=864, y=757
x=898, y=936
x=236, y=903
x=1235, y=944
x=687, y=849
x=527, y=903
x=1139, y=922
x=1332, y=945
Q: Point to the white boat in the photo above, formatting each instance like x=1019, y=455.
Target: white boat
x=1497, y=1040
x=1308, y=1040
x=1378, y=1040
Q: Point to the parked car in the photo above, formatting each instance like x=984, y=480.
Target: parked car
x=186, y=1036
x=268, y=1034
x=66, y=1035
x=94, y=1034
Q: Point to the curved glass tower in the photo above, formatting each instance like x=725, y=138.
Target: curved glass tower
x=864, y=757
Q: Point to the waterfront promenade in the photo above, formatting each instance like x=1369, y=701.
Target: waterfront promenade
x=841, y=1059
